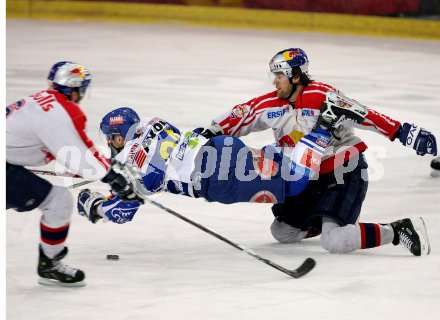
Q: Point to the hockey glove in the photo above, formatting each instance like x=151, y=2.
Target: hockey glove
x=87, y=204
x=208, y=134
x=212, y=131
x=421, y=140
x=119, y=211
x=121, y=185
x=339, y=110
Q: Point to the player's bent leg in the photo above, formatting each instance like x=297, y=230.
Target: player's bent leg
x=25, y=190
x=344, y=239
x=339, y=239
x=55, y=221
x=57, y=207
x=284, y=233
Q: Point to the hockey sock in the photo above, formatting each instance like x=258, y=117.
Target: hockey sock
x=52, y=239
x=375, y=235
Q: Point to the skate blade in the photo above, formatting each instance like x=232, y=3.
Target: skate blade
x=420, y=227
x=56, y=283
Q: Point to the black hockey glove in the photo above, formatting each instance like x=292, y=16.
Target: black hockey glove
x=122, y=186
x=208, y=134
x=212, y=131
x=421, y=140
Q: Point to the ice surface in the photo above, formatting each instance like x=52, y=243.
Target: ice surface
x=170, y=270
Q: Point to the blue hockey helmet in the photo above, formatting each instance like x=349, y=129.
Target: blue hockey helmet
x=118, y=122
x=67, y=76
x=285, y=60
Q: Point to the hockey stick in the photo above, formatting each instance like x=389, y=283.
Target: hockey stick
x=303, y=269
x=53, y=173
x=65, y=174
x=79, y=184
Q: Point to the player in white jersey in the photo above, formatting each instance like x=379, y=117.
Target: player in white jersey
x=332, y=203
x=160, y=157
x=45, y=126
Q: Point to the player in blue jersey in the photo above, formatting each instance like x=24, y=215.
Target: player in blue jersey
x=158, y=157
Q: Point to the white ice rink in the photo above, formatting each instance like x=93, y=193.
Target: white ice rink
x=170, y=270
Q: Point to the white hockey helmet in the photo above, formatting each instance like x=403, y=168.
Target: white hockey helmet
x=67, y=76
x=285, y=60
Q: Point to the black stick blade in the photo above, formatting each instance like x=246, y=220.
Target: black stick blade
x=303, y=269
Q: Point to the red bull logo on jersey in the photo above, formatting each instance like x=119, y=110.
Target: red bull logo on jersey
x=239, y=111
x=286, y=141
x=114, y=121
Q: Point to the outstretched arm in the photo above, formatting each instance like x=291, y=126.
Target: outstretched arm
x=410, y=135
x=95, y=207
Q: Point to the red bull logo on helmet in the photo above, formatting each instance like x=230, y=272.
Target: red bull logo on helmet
x=289, y=55
x=80, y=72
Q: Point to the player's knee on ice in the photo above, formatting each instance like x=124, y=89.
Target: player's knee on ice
x=284, y=233
x=57, y=207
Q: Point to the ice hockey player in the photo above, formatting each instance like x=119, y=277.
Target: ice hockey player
x=220, y=169
x=45, y=126
x=435, y=166
x=332, y=203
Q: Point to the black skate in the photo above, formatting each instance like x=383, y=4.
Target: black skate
x=412, y=234
x=435, y=165
x=338, y=110
x=54, y=272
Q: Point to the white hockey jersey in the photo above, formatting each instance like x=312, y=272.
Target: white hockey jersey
x=289, y=123
x=161, y=156
x=46, y=126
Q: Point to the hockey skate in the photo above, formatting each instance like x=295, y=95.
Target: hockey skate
x=53, y=272
x=435, y=166
x=338, y=110
x=412, y=234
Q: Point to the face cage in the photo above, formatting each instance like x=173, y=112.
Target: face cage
x=110, y=133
